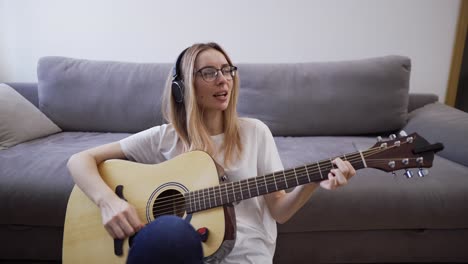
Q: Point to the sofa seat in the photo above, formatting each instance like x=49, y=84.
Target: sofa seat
x=412, y=201
x=35, y=176
x=377, y=200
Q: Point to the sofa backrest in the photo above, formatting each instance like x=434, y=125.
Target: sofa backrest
x=328, y=98
x=303, y=99
x=101, y=96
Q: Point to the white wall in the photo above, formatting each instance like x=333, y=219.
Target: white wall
x=251, y=31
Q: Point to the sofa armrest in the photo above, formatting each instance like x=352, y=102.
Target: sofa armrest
x=438, y=122
x=418, y=100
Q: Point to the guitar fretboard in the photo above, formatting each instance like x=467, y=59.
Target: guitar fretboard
x=230, y=192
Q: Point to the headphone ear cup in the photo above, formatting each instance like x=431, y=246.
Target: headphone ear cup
x=178, y=91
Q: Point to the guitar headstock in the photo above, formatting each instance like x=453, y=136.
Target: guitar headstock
x=402, y=152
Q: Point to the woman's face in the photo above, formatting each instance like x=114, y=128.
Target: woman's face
x=212, y=95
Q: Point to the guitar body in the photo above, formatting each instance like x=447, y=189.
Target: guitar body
x=85, y=238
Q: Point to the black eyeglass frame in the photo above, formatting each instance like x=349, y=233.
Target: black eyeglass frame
x=232, y=71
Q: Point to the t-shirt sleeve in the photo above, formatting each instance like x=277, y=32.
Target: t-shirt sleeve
x=268, y=157
x=142, y=146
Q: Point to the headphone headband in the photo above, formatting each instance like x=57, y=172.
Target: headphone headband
x=177, y=71
x=177, y=80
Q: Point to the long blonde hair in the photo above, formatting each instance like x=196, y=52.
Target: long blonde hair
x=187, y=117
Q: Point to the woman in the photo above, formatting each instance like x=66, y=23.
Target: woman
x=200, y=106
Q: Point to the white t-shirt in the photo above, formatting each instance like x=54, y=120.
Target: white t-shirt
x=256, y=229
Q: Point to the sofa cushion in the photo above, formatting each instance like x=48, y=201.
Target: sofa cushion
x=373, y=199
x=34, y=180
x=20, y=119
x=327, y=98
x=101, y=96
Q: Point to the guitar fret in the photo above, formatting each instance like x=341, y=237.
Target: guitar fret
x=307, y=171
x=363, y=160
x=209, y=197
x=204, y=199
x=246, y=191
x=286, y=181
x=295, y=174
x=320, y=170
x=189, y=194
x=274, y=179
x=233, y=192
x=194, y=200
x=220, y=196
x=240, y=187
x=188, y=206
x=215, y=197
x=266, y=185
x=258, y=192
x=199, y=200
x=227, y=193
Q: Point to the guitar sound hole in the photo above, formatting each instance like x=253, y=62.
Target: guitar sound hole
x=169, y=202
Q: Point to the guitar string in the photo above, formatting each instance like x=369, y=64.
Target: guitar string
x=323, y=167
x=180, y=203
x=238, y=188
x=253, y=184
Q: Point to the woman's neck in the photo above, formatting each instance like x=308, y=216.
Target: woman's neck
x=214, y=122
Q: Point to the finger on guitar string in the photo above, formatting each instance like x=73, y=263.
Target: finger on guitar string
x=351, y=169
x=125, y=225
x=116, y=230
x=329, y=184
x=133, y=219
x=341, y=166
x=339, y=177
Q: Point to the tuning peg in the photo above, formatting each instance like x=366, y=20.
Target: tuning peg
x=422, y=172
x=379, y=139
x=402, y=134
x=408, y=174
x=420, y=160
x=392, y=136
x=393, y=173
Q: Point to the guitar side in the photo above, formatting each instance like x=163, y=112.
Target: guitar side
x=85, y=238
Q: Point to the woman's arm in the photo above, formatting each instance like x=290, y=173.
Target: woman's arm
x=284, y=205
x=119, y=218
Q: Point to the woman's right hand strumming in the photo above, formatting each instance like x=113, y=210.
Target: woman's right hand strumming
x=119, y=217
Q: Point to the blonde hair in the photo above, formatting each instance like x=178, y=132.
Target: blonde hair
x=187, y=117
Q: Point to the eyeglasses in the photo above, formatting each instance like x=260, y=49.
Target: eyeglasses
x=210, y=74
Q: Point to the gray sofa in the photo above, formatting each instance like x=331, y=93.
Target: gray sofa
x=315, y=111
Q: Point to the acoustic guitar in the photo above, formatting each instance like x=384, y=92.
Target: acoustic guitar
x=189, y=186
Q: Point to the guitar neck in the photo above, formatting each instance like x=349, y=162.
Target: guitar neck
x=230, y=192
